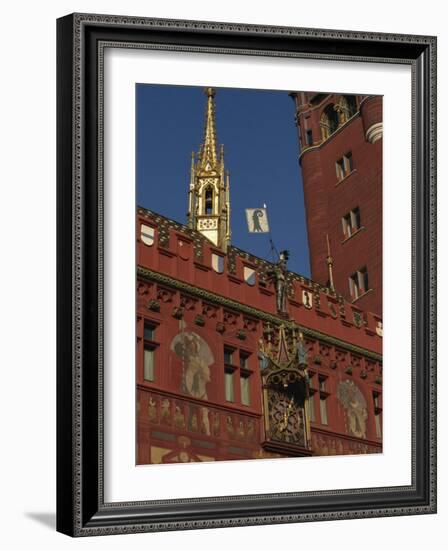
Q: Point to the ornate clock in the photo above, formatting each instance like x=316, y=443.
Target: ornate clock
x=286, y=419
x=285, y=391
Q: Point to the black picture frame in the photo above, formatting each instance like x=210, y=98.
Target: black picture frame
x=81, y=510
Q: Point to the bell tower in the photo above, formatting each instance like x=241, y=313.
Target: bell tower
x=208, y=197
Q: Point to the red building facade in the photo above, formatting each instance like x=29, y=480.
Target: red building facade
x=340, y=140
x=225, y=369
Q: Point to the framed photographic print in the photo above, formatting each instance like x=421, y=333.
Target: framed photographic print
x=246, y=275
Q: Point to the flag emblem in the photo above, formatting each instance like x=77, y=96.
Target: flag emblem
x=257, y=220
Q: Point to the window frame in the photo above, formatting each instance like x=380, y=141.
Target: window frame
x=150, y=344
x=344, y=166
x=355, y=287
x=378, y=413
x=351, y=222
x=236, y=369
x=318, y=392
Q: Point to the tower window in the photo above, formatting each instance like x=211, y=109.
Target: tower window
x=309, y=137
x=351, y=222
x=346, y=107
x=208, y=208
x=344, y=166
x=351, y=104
x=329, y=121
x=358, y=283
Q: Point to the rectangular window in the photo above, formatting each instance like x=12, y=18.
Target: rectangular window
x=309, y=137
x=149, y=331
x=344, y=166
x=351, y=222
x=378, y=424
x=323, y=410
x=340, y=170
x=312, y=380
x=348, y=162
x=148, y=372
x=378, y=414
x=245, y=388
x=244, y=360
x=228, y=356
x=149, y=351
x=311, y=410
x=228, y=385
x=321, y=384
x=358, y=283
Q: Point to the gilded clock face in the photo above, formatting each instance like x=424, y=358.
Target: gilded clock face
x=285, y=418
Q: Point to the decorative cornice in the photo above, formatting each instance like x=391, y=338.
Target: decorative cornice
x=155, y=276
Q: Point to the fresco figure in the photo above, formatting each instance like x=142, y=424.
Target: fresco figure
x=196, y=357
x=355, y=407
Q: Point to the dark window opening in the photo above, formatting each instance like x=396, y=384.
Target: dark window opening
x=309, y=137
x=208, y=201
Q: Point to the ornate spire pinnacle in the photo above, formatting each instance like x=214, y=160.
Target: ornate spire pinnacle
x=208, y=155
x=209, y=191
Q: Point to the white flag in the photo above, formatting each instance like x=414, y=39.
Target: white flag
x=257, y=220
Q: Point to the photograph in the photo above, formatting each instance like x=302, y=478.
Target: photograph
x=246, y=236
x=259, y=263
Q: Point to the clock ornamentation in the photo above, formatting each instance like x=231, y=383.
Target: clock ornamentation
x=283, y=361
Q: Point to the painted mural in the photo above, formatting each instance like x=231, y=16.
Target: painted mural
x=196, y=357
x=355, y=407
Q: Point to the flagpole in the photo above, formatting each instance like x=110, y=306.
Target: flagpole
x=271, y=242
x=257, y=211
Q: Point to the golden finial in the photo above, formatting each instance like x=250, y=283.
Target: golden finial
x=208, y=155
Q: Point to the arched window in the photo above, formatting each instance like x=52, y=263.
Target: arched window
x=346, y=107
x=208, y=201
x=329, y=121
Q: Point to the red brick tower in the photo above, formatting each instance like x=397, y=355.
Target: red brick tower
x=341, y=159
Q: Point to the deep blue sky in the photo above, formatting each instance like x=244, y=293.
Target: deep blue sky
x=261, y=152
